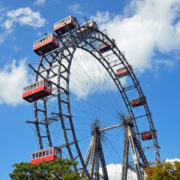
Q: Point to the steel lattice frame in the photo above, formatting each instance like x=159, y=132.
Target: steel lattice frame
x=61, y=59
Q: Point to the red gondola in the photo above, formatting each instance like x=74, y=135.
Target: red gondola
x=123, y=71
x=103, y=48
x=46, y=44
x=90, y=23
x=46, y=155
x=147, y=135
x=60, y=27
x=138, y=101
x=37, y=91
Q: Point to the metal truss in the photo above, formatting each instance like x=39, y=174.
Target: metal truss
x=57, y=65
x=136, y=150
x=95, y=152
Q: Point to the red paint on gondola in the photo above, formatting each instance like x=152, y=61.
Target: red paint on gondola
x=147, y=135
x=104, y=48
x=60, y=27
x=123, y=71
x=90, y=23
x=138, y=101
x=46, y=155
x=37, y=91
x=46, y=44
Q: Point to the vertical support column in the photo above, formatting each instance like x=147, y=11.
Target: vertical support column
x=86, y=160
x=141, y=153
x=131, y=136
x=87, y=157
x=97, y=160
x=45, y=115
x=46, y=125
x=61, y=116
x=91, y=165
x=125, y=154
x=103, y=164
x=35, y=110
x=37, y=126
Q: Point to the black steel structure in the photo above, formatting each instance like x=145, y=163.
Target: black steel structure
x=56, y=117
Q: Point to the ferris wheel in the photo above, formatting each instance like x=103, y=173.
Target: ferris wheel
x=89, y=103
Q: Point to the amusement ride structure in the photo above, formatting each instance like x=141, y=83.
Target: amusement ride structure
x=89, y=105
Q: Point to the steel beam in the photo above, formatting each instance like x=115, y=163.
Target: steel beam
x=125, y=155
x=65, y=145
x=103, y=164
x=87, y=157
x=92, y=158
x=141, y=153
x=97, y=160
x=46, y=124
x=35, y=110
x=131, y=136
x=112, y=127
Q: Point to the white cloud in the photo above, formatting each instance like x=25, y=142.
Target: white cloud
x=88, y=77
x=24, y=16
x=4, y=35
x=177, y=27
x=15, y=48
x=12, y=80
x=144, y=28
x=172, y=160
x=115, y=171
x=101, y=17
x=168, y=64
x=2, y=7
x=39, y=2
x=39, y=33
x=75, y=8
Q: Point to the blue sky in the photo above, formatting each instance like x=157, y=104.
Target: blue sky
x=148, y=32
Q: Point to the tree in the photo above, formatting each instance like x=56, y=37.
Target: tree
x=61, y=169
x=163, y=171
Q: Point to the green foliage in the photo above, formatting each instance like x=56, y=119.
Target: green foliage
x=61, y=169
x=163, y=171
